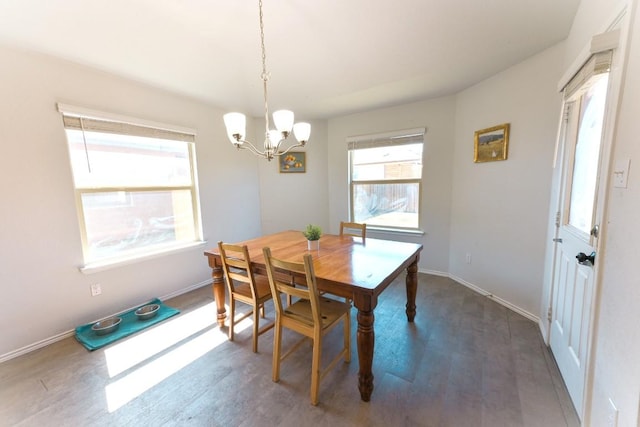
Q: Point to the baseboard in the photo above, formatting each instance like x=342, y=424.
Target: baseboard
x=544, y=331
x=32, y=347
x=489, y=295
x=185, y=290
x=435, y=273
x=35, y=346
x=497, y=299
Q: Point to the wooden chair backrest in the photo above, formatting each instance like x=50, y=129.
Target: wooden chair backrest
x=353, y=229
x=279, y=287
x=236, y=265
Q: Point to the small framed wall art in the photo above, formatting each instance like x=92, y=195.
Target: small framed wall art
x=292, y=162
x=491, y=144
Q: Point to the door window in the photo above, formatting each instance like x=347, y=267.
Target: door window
x=587, y=153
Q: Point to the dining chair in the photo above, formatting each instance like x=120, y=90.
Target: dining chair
x=353, y=229
x=245, y=287
x=311, y=315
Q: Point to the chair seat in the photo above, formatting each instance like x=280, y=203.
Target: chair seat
x=331, y=310
x=262, y=289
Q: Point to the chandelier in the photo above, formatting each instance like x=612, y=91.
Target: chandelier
x=282, y=119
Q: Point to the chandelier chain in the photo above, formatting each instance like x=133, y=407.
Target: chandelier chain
x=265, y=75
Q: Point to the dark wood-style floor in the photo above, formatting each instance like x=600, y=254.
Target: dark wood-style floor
x=466, y=361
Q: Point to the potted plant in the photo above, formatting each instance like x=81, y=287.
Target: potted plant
x=313, y=234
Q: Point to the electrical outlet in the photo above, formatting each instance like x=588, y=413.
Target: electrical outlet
x=96, y=289
x=468, y=258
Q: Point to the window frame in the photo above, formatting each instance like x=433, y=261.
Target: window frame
x=385, y=140
x=156, y=130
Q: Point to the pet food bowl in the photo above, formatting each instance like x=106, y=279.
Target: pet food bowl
x=147, y=312
x=106, y=326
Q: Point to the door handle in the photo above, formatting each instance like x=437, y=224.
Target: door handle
x=585, y=259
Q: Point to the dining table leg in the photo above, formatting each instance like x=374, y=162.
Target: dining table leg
x=219, y=293
x=366, y=339
x=366, y=336
x=412, y=288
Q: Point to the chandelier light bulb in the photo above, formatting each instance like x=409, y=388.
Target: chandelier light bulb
x=273, y=140
x=236, y=124
x=283, y=120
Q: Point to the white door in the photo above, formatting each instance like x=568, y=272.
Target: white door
x=573, y=287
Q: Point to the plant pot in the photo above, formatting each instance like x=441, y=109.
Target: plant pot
x=313, y=245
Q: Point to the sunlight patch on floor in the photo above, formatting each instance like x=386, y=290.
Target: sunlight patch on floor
x=134, y=384
x=136, y=350
x=142, y=346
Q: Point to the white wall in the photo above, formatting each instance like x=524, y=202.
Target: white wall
x=499, y=209
x=437, y=115
x=592, y=17
x=43, y=293
x=290, y=201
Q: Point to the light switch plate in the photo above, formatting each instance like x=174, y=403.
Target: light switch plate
x=621, y=173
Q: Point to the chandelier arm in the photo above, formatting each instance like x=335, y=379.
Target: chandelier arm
x=246, y=145
x=276, y=147
x=281, y=153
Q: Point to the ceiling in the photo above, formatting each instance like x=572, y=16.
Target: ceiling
x=326, y=57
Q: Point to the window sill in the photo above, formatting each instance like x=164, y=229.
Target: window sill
x=401, y=231
x=98, y=266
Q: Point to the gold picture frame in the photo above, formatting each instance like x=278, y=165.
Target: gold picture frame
x=491, y=144
x=293, y=162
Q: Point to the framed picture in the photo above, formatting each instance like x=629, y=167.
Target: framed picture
x=491, y=144
x=294, y=161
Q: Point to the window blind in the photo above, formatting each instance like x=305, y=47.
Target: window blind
x=598, y=63
x=408, y=136
x=91, y=121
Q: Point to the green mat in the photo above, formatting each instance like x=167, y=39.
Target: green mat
x=129, y=325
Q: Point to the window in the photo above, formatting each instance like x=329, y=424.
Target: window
x=585, y=98
x=135, y=186
x=385, y=179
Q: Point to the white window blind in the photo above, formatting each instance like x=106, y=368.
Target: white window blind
x=597, y=64
x=409, y=136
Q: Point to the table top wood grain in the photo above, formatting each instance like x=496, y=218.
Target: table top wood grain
x=368, y=266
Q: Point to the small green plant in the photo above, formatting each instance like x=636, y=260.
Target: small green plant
x=312, y=232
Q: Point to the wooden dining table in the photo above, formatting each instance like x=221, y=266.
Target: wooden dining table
x=345, y=266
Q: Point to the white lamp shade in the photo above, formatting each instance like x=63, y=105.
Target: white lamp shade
x=236, y=123
x=283, y=120
x=273, y=139
x=302, y=131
